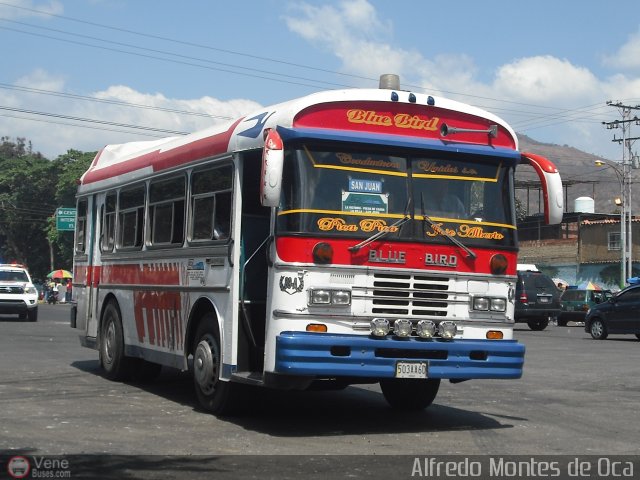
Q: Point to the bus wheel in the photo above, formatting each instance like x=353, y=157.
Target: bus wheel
x=410, y=394
x=112, y=358
x=213, y=394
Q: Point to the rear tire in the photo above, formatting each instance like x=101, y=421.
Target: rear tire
x=409, y=394
x=216, y=396
x=538, y=325
x=112, y=359
x=562, y=322
x=597, y=329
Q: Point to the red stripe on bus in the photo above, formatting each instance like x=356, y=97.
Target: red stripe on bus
x=395, y=255
x=162, y=160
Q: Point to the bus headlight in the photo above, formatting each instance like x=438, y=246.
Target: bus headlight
x=402, y=327
x=498, y=305
x=481, y=303
x=320, y=297
x=485, y=304
x=379, y=327
x=426, y=329
x=447, y=330
x=325, y=296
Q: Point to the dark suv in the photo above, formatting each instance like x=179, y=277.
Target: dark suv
x=537, y=299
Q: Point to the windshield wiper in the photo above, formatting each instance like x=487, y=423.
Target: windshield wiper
x=435, y=227
x=382, y=233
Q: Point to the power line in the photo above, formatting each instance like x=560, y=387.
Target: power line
x=54, y=93
x=90, y=120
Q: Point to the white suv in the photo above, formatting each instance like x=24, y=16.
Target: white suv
x=18, y=295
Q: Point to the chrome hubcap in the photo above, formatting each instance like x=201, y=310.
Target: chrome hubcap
x=205, y=365
x=110, y=342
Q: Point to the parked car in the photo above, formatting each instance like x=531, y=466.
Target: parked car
x=576, y=302
x=619, y=314
x=18, y=295
x=537, y=299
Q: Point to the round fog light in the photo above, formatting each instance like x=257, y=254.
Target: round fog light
x=379, y=327
x=447, y=330
x=426, y=329
x=402, y=327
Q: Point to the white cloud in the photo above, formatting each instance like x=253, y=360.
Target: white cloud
x=545, y=79
x=27, y=8
x=628, y=56
x=53, y=135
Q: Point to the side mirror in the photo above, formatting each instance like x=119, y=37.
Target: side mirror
x=272, y=163
x=551, y=186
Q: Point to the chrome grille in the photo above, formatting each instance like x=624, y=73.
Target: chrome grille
x=12, y=289
x=419, y=296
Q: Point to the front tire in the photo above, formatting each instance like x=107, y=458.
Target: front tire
x=214, y=395
x=538, y=325
x=32, y=316
x=597, y=329
x=409, y=394
x=112, y=359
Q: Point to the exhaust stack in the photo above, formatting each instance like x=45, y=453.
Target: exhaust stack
x=389, y=81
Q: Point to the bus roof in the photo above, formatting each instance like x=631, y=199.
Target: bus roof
x=364, y=113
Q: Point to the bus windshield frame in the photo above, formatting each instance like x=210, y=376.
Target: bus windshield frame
x=339, y=191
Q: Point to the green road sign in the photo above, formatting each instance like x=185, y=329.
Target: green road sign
x=66, y=219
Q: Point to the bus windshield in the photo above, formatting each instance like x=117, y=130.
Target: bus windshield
x=351, y=194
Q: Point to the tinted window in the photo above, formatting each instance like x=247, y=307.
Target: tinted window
x=81, y=226
x=131, y=217
x=166, y=211
x=632, y=295
x=211, y=203
x=109, y=223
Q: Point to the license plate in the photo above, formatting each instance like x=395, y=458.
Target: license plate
x=544, y=299
x=411, y=370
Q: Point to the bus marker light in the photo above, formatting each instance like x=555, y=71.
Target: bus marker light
x=494, y=335
x=498, y=264
x=317, y=327
x=323, y=253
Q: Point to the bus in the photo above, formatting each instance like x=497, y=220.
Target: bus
x=346, y=237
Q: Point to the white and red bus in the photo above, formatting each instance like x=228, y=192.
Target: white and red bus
x=355, y=236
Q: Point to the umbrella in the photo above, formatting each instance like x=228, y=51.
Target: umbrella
x=588, y=286
x=60, y=274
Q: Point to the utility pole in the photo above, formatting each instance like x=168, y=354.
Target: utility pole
x=629, y=161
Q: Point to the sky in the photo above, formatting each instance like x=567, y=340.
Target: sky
x=80, y=74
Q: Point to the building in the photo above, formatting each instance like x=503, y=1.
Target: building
x=584, y=247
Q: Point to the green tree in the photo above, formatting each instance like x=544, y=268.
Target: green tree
x=69, y=168
x=31, y=188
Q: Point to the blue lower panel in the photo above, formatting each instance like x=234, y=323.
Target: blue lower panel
x=330, y=355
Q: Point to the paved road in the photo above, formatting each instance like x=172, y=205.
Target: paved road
x=577, y=396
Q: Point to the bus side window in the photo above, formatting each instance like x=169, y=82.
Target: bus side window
x=131, y=217
x=211, y=202
x=81, y=226
x=109, y=223
x=166, y=211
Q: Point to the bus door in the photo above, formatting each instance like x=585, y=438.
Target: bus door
x=255, y=239
x=86, y=252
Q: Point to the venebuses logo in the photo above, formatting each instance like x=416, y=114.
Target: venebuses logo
x=18, y=467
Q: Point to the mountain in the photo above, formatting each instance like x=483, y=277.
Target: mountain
x=580, y=178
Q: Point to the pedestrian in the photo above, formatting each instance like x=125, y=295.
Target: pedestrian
x=62, y=292
x=69, y=287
